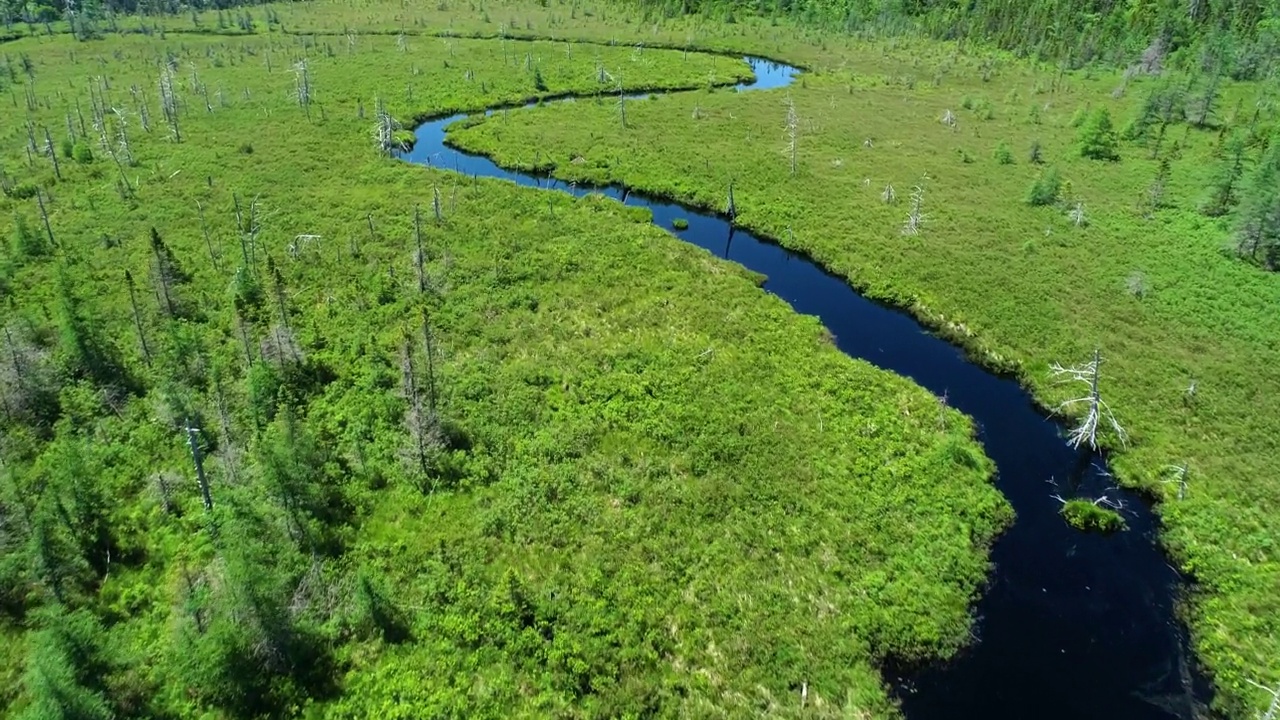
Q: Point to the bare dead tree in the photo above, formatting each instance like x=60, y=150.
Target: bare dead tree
x=384, y=130
x=420, y=255
x=204, y=228
x=169, y=103
x=1104, y=501
x=949, y=119
x=197, y=459
x=1178, y=475
x=622, y=104
x=435, y=204
x=44, y=216
x=915, y=216
x=415, y=417
x=137, y=316
x=52, y=152
x=1076, y=215
x=1273, y=710
x=889, y=196
x=792, y=129
x=731, y=208
x=302, y=85
x=122, y=137
x=1097, y=411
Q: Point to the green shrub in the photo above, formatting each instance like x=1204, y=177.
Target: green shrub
x=67, y=147
x=1045, y=190
x=1003, y=154
x=82, y=153
x=1036, y=154
x=680, y=224
x=1084, y=515
x=1079, y=116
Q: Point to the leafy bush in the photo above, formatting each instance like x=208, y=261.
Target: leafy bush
x=1003, y=154
x=1046, y=188
x=82, y=153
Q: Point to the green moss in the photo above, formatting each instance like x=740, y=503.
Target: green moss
x=1088, y=517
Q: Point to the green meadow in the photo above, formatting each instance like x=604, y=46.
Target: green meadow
x=292, y=428
x=1122, y=257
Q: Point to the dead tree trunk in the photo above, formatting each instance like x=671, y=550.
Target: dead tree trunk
x=197, y=459
x=137, y=317
x=1096, y=409
x=53, y=154
x=44, y=215
x=204, y=228
x=419, y=257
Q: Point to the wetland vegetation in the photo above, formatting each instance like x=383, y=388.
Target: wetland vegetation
x=294, y=429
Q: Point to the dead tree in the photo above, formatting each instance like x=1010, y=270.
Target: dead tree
x=792, y=130
x=1076, y=215
x=1273, y=710
x=1096, y=409
x=137, y=317
x=44, y=216
x=122, y=137
x=204, y=228
x=169, y=103
x=197, y=459
x=302, y=85
x=730, y=208
x=889, y=196
x=622, y=104
x=384, y=130
x=915, y=217
x=53, y=154
x=1178, y=475
x=949, y=119
x=420, y=256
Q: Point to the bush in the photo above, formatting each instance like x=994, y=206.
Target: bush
x=680, y=224
x=1045, y=190
x=82, y=153
x=1003, y=154
x=1036, y=154
x=67, y=147
x=1098, y=137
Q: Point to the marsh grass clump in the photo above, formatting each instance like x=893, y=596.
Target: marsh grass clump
x=680, y=224
x=1086, y=516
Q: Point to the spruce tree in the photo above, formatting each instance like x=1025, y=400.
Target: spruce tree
x=1098, y=137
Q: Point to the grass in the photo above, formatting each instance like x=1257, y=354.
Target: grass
x=1088, y=517
x=660, y=489
x=1020, y=286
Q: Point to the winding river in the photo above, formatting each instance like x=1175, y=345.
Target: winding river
x=1072, y=626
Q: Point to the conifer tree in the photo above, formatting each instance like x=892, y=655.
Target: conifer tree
x=1097, y=136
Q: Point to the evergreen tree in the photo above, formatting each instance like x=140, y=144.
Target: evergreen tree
x=1097, y=136
x=1258, y=224
x=1045, y=190
x=1225, y=192
x=67, y=669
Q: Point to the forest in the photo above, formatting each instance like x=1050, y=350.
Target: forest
x=291, y=427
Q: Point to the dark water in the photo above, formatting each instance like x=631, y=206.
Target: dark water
x=1072, y=625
